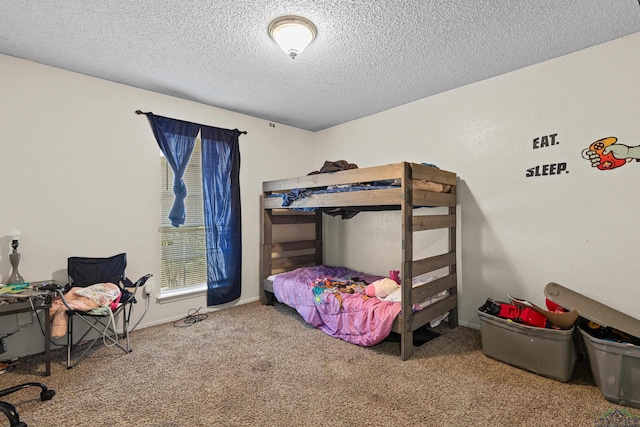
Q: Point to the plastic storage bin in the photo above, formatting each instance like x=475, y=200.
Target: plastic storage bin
x=616, y=369
x=615, y=366
x=547, y=352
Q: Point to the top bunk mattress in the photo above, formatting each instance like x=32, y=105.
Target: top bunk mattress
x=378, y=186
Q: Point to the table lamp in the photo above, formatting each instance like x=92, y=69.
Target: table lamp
x=14, y=257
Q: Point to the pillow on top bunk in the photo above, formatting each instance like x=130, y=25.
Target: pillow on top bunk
x=419, y=184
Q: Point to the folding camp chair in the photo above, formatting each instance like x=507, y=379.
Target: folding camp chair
x=11, y=412
x=84, y=272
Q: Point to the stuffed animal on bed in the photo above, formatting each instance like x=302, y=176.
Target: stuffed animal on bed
x=395, y=275
x=381, y=288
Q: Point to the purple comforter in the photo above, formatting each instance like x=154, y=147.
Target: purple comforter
x=356, y=319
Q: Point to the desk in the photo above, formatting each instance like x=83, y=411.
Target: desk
x=41, y=301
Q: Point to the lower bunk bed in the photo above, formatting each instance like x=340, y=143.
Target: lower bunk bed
x=343, y=302
x=356, y=307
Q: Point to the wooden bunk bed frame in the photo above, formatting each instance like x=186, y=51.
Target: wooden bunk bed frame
x=285, y=256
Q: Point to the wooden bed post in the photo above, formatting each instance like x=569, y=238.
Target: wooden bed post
x=453, y=313
x=319, y=260
x=406, y=336
x=266, y=237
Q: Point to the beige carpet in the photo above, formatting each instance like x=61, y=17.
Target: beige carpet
x=255, y=365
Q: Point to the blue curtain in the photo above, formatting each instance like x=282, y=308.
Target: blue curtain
x=176, y=140
x=221, y=195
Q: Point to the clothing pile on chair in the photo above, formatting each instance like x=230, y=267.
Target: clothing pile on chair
x=83, y=299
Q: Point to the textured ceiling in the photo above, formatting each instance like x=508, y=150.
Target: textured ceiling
x=369, y=55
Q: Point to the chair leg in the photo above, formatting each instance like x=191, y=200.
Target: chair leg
x=93, y=327
x=71, y=364
x=125, y=325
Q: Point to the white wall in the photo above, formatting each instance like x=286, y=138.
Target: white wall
x=516, y=234
x=80, y=177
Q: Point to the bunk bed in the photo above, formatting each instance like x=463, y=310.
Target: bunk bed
x=401, y=186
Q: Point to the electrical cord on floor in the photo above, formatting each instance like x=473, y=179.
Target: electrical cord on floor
x=193, y=316
x=146, y=308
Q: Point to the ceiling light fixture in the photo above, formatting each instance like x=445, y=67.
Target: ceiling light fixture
x=292, y=33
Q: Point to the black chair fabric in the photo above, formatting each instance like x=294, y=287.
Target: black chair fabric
x=89, y=271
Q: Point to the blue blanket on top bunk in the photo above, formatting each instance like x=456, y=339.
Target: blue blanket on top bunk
x=303, y=193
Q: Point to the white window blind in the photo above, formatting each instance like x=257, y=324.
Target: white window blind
x=183, y=259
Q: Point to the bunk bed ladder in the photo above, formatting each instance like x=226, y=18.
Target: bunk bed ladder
x=410, y=321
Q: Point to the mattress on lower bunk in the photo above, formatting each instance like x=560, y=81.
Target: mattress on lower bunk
x=352, y=317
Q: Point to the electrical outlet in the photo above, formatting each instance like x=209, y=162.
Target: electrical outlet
x=148, y=287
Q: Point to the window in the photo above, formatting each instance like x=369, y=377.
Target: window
x=183, y=259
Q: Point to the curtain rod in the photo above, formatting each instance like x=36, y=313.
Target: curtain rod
x=244, y=132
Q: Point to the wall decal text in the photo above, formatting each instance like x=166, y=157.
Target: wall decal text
x=544, y=170
x=545, y=141
x=558, y=168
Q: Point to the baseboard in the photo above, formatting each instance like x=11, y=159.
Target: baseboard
x=202, y=311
